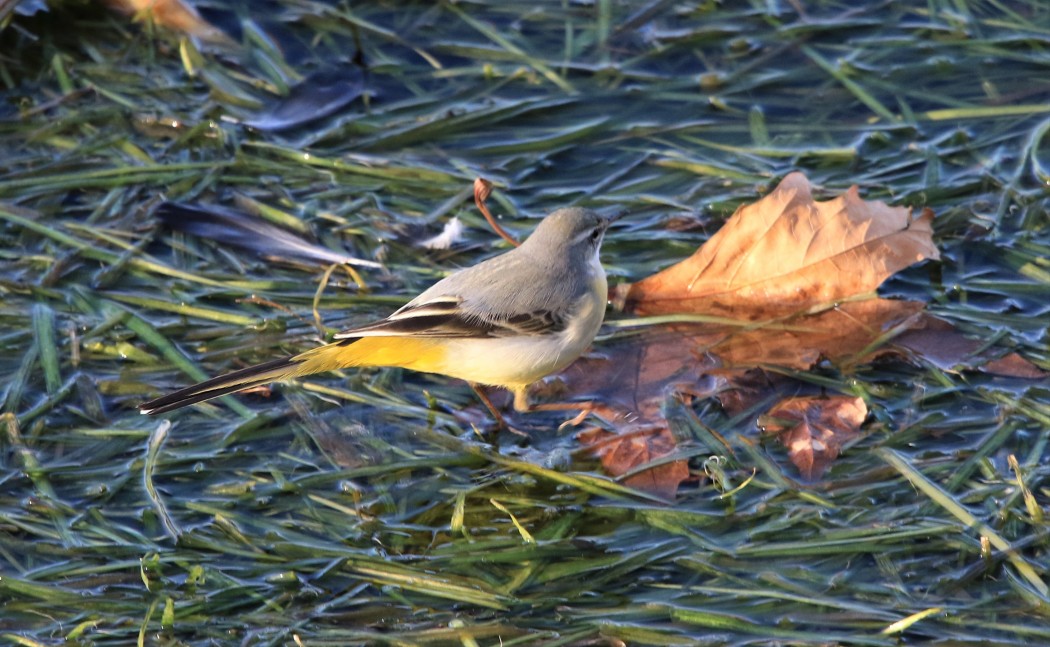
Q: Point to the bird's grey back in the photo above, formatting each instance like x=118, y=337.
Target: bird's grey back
x=545, y=270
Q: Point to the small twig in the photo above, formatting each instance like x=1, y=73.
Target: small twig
x=482, y=191
x=259, y=301
x=317, y=298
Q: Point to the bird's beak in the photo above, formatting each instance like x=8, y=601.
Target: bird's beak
x=609, y=220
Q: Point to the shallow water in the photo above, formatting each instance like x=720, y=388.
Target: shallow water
x=357, y=508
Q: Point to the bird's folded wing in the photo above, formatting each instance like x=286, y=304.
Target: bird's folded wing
x=445, y=317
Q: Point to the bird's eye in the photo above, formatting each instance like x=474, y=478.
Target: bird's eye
x=596, y=234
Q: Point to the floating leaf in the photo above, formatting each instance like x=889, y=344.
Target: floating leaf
x=787, y=253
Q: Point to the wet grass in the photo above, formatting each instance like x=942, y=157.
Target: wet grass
x=363, y=508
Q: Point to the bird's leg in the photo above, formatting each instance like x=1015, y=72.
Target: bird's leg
x=521, y=403
x=488, y=404
x=521, y=399
x=500, y=420
x=584, y=408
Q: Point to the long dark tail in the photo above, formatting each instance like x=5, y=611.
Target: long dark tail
x=417, y=354
x=245, y=378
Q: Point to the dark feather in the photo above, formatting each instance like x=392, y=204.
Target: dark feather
x=319, y=95
x=232, y=227
x=453, y=322
x=216, y=386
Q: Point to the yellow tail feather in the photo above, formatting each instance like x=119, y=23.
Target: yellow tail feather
x=418, y=354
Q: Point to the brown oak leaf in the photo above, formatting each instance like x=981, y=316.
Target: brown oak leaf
x=785, y=253
x=171, y=14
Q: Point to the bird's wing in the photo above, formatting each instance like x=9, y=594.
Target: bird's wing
x=445, y=316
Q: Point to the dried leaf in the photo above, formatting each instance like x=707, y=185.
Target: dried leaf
x=630, y=382
x=622, y=453
x=1013, y=365
x=837, y=335
x=786, y=253
x=482, y=191
x=814, y=429
x=171, y=14
x=939, y=343
x=781, y=256
x=633, y=376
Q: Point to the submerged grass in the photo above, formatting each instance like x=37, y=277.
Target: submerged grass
x=372, y=507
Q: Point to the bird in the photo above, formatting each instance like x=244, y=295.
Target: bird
x=505, y=322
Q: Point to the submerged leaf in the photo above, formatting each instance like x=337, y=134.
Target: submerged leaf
x=814, y=429
x=939, y=343
x=239, y=229
x=624, y=453
x=635, y=375
x=787, y=253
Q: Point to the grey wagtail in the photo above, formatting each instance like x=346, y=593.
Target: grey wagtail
x=507, y=321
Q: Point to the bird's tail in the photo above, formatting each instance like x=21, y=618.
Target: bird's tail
x=245, y=378
x=368, y=351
